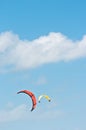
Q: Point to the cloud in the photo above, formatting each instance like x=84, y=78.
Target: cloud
x=42, y=80
x=13, y=114
x=21, y=112
x=46, y=115
x=17, y=54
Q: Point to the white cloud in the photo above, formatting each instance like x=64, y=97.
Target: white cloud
x=46, y=115
x=42, y=80
x=13, y=114
x=24, y=54
x=22, y=112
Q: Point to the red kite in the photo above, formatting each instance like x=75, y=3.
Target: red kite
x=32, y=97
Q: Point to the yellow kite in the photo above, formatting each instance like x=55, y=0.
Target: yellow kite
x=45, y=96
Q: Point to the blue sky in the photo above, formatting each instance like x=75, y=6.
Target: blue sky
x=43, y=49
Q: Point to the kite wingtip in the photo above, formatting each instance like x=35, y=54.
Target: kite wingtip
x=49, y=100
x=17, y=93
x=32, y=109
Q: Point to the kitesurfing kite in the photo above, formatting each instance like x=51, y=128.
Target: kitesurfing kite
x=45, y=96
x=32, y=97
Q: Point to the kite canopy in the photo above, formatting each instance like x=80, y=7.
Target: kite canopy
x=32, y=97
x=44, y=96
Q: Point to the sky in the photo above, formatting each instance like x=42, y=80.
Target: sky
x=43, y=50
